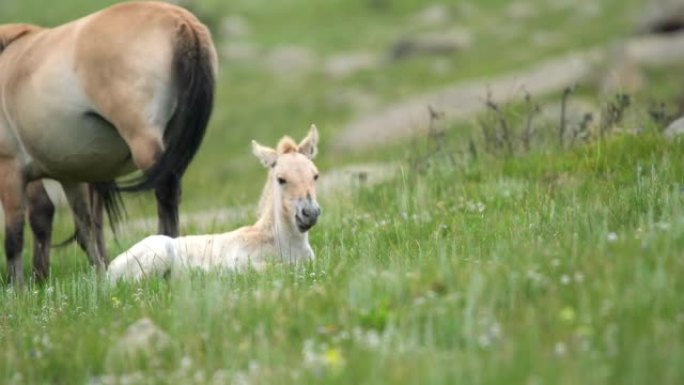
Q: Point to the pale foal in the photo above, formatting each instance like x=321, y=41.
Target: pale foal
x=287, y=210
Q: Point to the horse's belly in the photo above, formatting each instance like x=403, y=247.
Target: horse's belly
x=63, y=138
x=83, y=147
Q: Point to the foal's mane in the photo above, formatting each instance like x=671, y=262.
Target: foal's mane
x=287, y=145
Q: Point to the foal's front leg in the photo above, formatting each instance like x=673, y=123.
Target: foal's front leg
x=168, y=194
x=77, y=196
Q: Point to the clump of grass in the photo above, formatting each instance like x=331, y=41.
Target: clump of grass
x=514, y=130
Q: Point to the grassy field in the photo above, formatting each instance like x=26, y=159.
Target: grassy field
x=557, y=266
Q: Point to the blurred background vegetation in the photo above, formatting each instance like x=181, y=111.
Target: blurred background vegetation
x=288, y=63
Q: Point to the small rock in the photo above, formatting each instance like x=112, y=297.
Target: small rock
x=520, y=10
x=239, y=51
x=544, y=38
x=142, y=345
x=291, y=60
x=354, y=99
x=662, y=16
x=623, y=75
x=675, y=128
x=344, y=65
x=435, y=14
x=234, y=26
x=589, y=10
x=445, y=43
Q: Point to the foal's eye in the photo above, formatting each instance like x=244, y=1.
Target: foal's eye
x=281, y=181
x=316, y=177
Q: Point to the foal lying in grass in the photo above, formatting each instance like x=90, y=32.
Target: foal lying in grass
x=287, y=210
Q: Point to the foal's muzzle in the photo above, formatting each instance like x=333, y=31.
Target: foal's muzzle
x=307, y=216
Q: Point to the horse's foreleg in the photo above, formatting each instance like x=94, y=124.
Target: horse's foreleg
x=168, y=194
x=41, y=212
x=12, y=188
x=78, y=201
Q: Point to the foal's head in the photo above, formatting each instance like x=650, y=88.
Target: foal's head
x=293, y=175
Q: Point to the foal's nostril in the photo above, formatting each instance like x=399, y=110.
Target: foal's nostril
x=306, y=212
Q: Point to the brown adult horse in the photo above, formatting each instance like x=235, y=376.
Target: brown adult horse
x=129, y=87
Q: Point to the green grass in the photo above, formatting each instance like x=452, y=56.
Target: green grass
x=557, y=266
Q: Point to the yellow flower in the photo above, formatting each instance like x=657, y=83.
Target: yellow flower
x=333, y=358
x=567, y=314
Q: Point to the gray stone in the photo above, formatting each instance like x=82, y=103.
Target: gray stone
x=520, y=10
x=589, y=10
x=345, y=65
x=351, y=98
x=657, y=50
x=622, y=74
x=432, y=15
x=444, y=43
x=675, y=128
x=291, y=60
x=661, y=16
x=234, y=26
x=239, y=51
x=142, y=345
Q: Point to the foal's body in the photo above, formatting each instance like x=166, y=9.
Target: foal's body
x=288, y=209
x=247, y=247
x=129, y=87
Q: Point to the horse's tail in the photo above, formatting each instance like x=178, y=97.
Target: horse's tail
x=113, y=204
x=194, y=70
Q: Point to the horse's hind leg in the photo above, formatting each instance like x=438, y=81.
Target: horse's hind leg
x=41, y=211
x=12, y=188
x=144, y=136
x=86, y=233
x=168, y=194
x=98, y=224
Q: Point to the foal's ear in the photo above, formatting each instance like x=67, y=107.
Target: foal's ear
x=12, y=32
x=309, y=145
x=266, y=155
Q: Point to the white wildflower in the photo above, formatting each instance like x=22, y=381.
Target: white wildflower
x=559, y=349
x=565, y=279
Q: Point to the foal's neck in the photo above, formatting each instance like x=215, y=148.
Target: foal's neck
x=290, y=244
